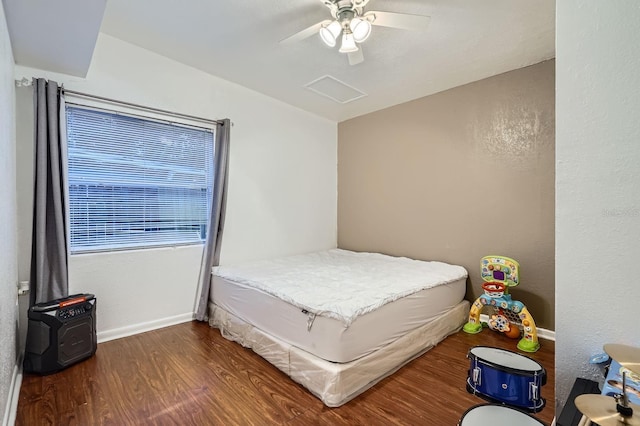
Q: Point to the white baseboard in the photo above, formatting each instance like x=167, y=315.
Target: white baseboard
x=11, y=409
x=543, y=333
x=130, y=330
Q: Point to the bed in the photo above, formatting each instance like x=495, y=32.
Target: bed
x=338, y=321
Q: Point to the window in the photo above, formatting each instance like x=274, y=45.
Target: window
x=136, y=182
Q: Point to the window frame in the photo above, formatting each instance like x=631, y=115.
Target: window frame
x=140, y=113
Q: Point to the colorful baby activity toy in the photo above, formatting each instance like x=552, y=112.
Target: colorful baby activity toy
x=505, y=315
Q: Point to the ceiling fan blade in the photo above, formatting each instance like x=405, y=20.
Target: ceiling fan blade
x=355, y=57
x=306, y=33
x=403, y=21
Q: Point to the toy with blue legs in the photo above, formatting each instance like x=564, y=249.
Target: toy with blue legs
x=506, y=315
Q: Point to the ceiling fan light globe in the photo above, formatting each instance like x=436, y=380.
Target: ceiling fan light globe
x=348, y=43
x=327, y=37
x=329, y=33
x=360, y=28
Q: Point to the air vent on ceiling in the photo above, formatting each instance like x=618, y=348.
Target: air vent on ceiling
x=335, y=89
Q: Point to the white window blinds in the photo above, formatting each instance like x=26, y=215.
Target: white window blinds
x=136, y=182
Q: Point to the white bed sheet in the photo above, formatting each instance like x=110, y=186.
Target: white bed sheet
x=329, y=338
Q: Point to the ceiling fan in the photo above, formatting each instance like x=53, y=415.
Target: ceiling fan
x=350, y=20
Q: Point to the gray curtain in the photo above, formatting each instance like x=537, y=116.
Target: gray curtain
x=211, y=251
x=49, y=267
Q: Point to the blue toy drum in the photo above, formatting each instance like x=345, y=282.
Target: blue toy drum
x=497, y=415
x=502, y=376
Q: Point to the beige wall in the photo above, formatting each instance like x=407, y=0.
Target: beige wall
x=456, y=176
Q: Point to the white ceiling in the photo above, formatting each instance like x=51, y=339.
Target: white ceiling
x=467, y=40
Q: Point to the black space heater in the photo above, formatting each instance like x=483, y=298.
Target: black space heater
x=61, y=333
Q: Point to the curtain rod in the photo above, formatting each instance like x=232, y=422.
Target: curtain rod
x=138, y=106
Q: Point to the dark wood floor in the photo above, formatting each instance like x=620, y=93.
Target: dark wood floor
x=190, y=375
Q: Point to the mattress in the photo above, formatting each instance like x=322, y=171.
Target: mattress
x=328, y=338
x=341, y=284
x=338, y=305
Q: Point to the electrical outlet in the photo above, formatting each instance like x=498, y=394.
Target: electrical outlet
x=23, y=288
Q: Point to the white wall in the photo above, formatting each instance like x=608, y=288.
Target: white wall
x=8, y=218
x=597, y=182
x=282, y=184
